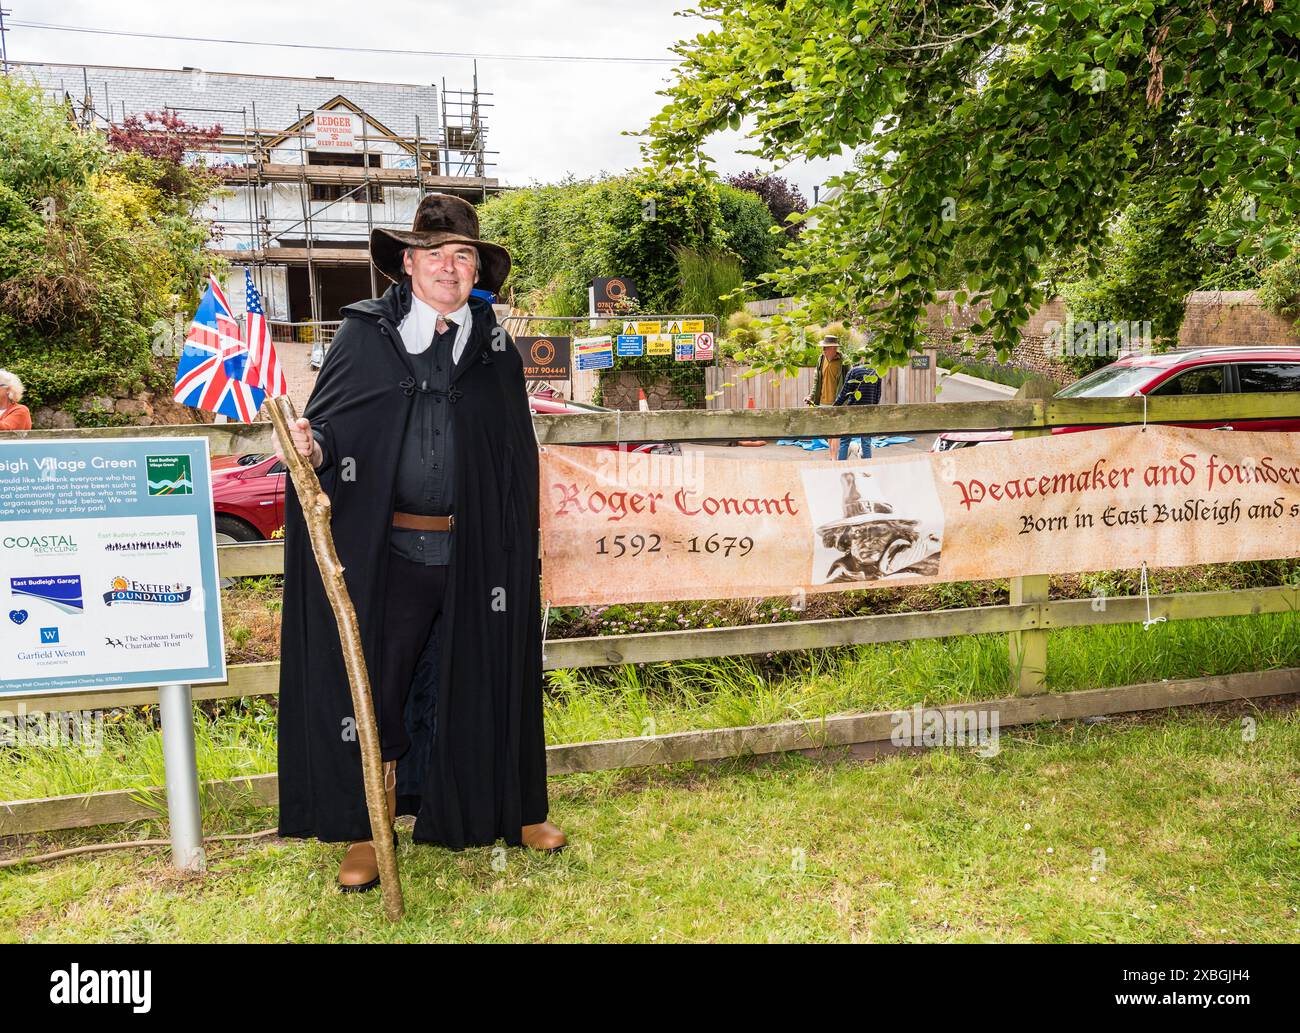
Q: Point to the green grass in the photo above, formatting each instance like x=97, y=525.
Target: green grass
x=1011, y=376
x=1172, y=829
x=239, y=739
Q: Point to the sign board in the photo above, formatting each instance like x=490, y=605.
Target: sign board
x=692, y=326
x=683, y=347
x=647, y=328
x=594, y=352
x=612, y=295
x=655, y=527
x=108, y=566
x=659, y=344
x=630, y=345
x=920, y=362
x=336, y=130
x=545, y=358
x=704, y=346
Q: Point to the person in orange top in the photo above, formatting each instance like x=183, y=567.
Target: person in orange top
x=13, y=416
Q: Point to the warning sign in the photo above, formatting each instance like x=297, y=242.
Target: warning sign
x=692, y=326
x=650, y=329
x=659, y=345
x=704, y=346
x=594, y=352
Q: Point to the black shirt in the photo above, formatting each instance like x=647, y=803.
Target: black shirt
x=425, y=470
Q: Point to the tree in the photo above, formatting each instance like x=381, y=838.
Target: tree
x=1012, y=131
x=162, y=135
x=782, y=197
x=98, y=249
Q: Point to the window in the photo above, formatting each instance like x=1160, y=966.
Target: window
x=333, y=191
x=1113, y=381
x=1200, y=380
x=1269, y=376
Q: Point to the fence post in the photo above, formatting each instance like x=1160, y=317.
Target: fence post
x=176, y=708
x=1027, y=650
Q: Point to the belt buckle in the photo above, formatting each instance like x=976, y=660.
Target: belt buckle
x=451, y=522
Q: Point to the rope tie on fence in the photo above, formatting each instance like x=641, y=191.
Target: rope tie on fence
x=546, y=620
x=1144, y=589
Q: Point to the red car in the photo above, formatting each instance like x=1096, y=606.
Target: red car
x=248, y=490
x=1183, y=371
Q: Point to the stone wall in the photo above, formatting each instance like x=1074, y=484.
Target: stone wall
x=138, y=409
x=1031, y=352
x=1212, y=318
x=1233, y=317
x=619, y=391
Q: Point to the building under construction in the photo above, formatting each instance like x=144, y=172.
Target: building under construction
x=310, y=165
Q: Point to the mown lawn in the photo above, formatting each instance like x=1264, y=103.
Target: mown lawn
x=1182, y=826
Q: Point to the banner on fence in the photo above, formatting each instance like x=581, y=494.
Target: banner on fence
x=623, y=526
x=108, y=568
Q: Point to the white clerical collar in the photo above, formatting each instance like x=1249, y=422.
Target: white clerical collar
x=459, y=317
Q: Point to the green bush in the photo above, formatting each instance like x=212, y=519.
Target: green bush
x=563, y=235
x=98, y=249
x=747, y=225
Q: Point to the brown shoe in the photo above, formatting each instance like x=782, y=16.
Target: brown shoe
x=544, y=836
x=359, y=870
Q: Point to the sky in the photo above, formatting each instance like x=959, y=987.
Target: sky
x=549, y=119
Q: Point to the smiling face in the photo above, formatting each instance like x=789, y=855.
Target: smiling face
x=443, y=276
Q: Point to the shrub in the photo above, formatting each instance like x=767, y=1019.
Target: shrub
x=97, y=249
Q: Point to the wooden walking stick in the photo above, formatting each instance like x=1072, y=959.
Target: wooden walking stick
x=316, y=514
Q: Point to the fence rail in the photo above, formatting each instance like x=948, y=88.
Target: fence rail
x=1026, y=614
x=305, y=331
x=699, y=425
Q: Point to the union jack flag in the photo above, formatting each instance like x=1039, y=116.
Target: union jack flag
x=210, y=375
x=263, y=369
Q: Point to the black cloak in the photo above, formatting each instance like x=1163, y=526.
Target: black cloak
x=476, y=769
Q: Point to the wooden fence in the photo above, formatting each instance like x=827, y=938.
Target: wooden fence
x=731, y=387
x=1027, y=619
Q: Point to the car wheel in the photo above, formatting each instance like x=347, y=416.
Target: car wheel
x=233, y=531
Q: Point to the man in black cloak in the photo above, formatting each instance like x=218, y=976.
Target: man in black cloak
x=420, y=430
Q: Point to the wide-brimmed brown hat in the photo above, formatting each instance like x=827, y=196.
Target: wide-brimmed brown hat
x=440, y=219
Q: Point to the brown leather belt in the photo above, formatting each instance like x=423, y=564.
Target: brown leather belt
x=413, y=522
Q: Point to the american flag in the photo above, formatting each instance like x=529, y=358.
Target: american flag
x=210, y=375
x=263, y=364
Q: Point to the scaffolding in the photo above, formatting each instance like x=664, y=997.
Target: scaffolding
x=450, y=156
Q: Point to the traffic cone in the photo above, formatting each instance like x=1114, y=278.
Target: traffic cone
x=751, y=444
x=641, y=402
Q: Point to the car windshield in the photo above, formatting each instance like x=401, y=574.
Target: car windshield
x=1113, y=381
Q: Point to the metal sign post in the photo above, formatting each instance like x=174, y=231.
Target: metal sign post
x=180, y=766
